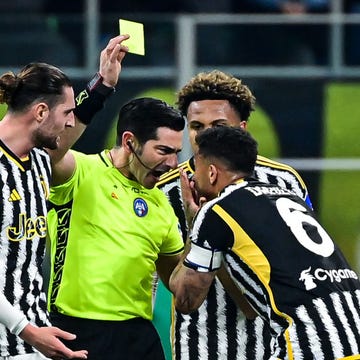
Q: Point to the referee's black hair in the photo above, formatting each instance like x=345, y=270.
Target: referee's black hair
x=233, y=146
x=143, y=117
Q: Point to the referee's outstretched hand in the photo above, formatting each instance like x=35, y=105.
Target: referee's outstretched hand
x=111, y=58
x=47, y=341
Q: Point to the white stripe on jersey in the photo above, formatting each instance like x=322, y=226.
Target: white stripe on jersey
x=184, y=339
x=295, y=345
x=242, y=337
x=310, y=329
x=330, y=328
x=6, y=219
x=221, y=319
x=168, y=187
x=339, y=310
x=202, y=344
x=259, y=346
x=256, y=292
x=9, y=211
x=354, y=310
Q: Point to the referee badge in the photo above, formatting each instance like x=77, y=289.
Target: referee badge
x=140, y=207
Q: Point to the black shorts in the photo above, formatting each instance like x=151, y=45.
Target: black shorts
x=134, y=339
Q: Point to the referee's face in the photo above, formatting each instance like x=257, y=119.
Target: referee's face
x=205, y=114
x=157, y=157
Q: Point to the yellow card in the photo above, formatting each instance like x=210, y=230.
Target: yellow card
x=135, y=43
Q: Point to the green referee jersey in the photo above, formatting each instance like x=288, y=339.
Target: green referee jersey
x=106, y=233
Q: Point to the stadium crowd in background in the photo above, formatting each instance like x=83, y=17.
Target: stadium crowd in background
x=280, y=44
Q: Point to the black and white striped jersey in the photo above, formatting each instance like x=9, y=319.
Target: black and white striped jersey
x=25, y=189
x=273, y=172
x=287, y=266
x=218, y=329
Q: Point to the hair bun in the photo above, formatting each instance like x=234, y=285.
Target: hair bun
x=8, y=84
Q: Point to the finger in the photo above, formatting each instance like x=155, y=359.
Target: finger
x=67, y=353
x=192, y=184
x=116, y=40
x=112, y=50
x=118, y=51
x=202, y=201
x=121, y=56
x=184, y=180
x=63, y=334
x=80, y=354
x=184, y=177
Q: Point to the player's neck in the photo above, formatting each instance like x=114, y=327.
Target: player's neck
x=20, y=145
x=233, y=177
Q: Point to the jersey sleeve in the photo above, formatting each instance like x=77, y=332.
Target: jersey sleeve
x=173, y=244
x=210, y=237
x=62, y=194
x=273, y=172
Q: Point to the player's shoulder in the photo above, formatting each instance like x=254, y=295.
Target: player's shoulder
x=93, y=159
x=263, y=161
x=40, y=155
x=40, y=151
x=271, y=171
x=174, y=174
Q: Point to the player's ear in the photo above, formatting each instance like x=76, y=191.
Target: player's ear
x=212, y=174
x=243, y=124
x=40, y=111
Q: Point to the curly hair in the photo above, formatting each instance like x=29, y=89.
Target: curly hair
x=217, y=85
